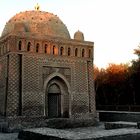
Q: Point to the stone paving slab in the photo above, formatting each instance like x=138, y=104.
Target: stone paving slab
x=8, y=136
x=87, y=133
x=82, y=133
x=119, y=124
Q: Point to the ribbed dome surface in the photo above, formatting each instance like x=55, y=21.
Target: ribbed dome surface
x=37, y=22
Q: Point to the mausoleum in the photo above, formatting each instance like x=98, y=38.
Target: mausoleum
x=43, y=71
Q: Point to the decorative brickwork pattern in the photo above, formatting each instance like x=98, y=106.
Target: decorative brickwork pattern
x=3, y=76
x=62, y=70
x=13, y=85
x=91, y=91
x=80, y=96
x=80, y=77
x=32, y=96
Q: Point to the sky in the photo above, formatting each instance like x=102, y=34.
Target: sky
x=113, y=25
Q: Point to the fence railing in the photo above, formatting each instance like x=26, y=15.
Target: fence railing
x=133, y=108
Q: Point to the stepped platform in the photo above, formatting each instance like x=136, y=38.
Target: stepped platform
x=112, y=116
x=120, y=124
x=83, y=133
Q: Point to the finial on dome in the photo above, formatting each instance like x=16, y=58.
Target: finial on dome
x=37, y=7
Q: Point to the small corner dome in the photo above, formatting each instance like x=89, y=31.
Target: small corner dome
x=33, y=21
x=79, y=36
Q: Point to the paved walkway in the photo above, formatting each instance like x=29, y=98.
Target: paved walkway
x=86, y=133
x=94, y=133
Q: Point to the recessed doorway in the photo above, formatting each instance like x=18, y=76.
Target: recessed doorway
x=56, y=98
x=54, y=101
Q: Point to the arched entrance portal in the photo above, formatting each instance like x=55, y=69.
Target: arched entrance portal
x=57, y=98
x=54, y=101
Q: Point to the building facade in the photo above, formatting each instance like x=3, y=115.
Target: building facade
x=43, y=72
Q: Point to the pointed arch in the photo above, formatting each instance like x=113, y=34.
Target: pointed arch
x=76, y=52
x=37, y=47
x=89, y=53
x=63, y=97
x=83, y=52
x=56, y=74
x=45, y=48
x=29, y=46
x=19, y=45
x=69, y=51
x=61, y=51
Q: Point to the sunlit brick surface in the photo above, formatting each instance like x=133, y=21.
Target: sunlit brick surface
x=32, y=64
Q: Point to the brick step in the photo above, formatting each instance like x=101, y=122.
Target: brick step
x=21, y=123
x=119, y=124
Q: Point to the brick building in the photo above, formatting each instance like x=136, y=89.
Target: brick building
x=43, y=72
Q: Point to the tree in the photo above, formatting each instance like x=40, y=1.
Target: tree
x=137, y=51
x=135, y=76
x=112, y=85
x=118, y=84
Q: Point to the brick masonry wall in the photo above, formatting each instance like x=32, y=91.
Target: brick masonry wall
x=32, y=96
x=91, y=90
x=80, y=95
x=13, y=85
x=37, y=68
x=28, y=71
x=3, y=76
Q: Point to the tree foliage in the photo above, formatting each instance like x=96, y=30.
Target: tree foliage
x=112, y=82
x=118, y=84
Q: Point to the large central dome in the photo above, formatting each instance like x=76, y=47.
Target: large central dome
x=37, y=22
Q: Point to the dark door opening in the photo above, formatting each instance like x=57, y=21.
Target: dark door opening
x=54, y=106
